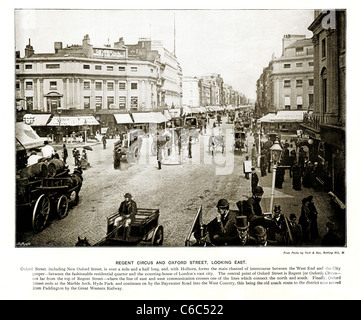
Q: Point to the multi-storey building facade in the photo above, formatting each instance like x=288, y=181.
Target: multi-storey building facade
x=287, y=82
x=292, y=76
x=190, y=92
x=97, y=80
x=326, y=125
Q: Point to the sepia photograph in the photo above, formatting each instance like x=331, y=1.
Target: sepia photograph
x=166, y=127
x=182, y=152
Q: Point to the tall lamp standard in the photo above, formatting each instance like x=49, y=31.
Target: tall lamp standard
x=85, y=128
x=59, y=123
x=276, y=152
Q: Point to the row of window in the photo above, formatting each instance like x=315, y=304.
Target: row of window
x=98, y=102
x=299, y=102
x=298, y=65
x=86, y=86
x=85, y=67
x=299, y=83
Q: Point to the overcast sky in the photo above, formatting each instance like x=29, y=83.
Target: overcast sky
x=234, y=43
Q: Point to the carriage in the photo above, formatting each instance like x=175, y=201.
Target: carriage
x=129, y=147
x=145, y=230
x=47, y=192
x=239, y=141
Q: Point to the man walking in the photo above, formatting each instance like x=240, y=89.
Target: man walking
x=254, y=179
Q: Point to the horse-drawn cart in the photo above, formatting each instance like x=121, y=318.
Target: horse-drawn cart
x=40, y=196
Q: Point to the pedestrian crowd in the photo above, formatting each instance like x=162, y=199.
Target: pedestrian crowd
x=250, y=226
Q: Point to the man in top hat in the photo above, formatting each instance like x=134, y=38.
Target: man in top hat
x=222, y=230
x=127, y=211
x=260, y=235
x=243, y=239
x=277, y=230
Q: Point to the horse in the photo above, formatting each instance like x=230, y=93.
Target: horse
x=77, y=181
x=82, y=242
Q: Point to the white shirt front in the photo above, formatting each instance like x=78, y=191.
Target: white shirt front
x=33, y=159
x=47, y=151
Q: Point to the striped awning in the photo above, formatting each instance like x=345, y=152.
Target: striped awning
x=123, y=118
x=37, y=119
x=149, y=117
x=73, y=121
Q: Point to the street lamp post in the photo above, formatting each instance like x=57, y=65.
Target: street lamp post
x=85, y=127
x=276, y=152
x=59, y=123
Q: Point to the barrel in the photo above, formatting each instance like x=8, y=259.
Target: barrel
x=55, y=166
x=37, y=170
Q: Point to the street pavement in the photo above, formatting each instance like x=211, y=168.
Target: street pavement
x=238, y=188
x=290, y=201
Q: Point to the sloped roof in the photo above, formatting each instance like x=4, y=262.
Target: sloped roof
x=301, y=43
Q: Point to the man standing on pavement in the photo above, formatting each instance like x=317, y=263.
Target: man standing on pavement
x=159, y=153
x=64, y=153
x=254, y=155
x=254, y=179
x=247, y=164
x=104, y=140
x=190, y=147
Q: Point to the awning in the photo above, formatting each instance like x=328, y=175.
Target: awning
x=38, y=119
x=167, y=114
x=26, y=137
x=149, y=117
x=289, y=116
x=267, y=117
x=186, y=110
x=73, y=121
x=122, y=118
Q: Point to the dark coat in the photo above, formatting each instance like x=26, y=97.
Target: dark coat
x=254, y=180
x=249, y=242
x=224, y=232
x=128, y=208
x=253, y=209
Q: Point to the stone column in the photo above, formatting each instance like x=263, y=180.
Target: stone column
x=65, y=94
x=35, y=98
x=71, y=93
x=316, y=75
x=41, y=95
x=81, y=93
x=116, y=93
x=92, y=94
x=105, y=100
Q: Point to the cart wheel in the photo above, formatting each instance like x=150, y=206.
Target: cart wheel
x=41, y=213
x=157, y=239
x=62, y=206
